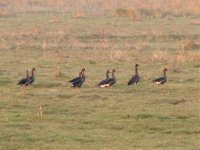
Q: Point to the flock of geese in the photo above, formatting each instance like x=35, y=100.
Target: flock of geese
x=107, y=82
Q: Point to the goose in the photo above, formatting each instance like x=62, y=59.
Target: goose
x=23, y=81
x=31, y=78
x=104, y=82
x=136, y=78
x=161, y=80
x=78, y=81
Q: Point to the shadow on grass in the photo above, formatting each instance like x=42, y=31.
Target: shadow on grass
x=47, y=85
x=65, y=96
x=144, y=116
x=82, y=139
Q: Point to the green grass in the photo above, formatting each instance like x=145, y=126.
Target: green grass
x=145, y=116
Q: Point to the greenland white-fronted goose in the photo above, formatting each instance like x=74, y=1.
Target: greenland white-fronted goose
x=23, y=81
x=104, y=83
x=161, y=80
x=136, y=78
x=78, y=81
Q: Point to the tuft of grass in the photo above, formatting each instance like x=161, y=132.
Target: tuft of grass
x=128, y=13
x=191, y=45
x=144, y=116
x=54, y=19
x=60, y=75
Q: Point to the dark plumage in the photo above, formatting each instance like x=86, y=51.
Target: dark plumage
x=161, y=80
x=104, y=82
x=136, y=78
x=31, y=78
x=78, y=81
x=24, y=80
x=77, y=78
x=112, y=80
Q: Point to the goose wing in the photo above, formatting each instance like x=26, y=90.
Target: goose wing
x=75, y=79
x=22, y=81
x=102, y=82
x=111, y=81
x=77, y=83
x=160, y=80
x=30, y=81
x=134, y=80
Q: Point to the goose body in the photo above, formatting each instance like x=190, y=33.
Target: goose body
x=136, y=78
x=75, y=79
x=104, y=83
x=161, y=80
x=78, y=81
x=23, y=81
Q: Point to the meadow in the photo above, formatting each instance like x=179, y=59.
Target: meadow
x=51, y=115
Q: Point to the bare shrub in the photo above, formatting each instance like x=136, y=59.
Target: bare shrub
x=181, y=57
x=193, y=57
x=119, y=55
x=3, y=44
x=79, y=14
x=59, y=74
x=4, y=13
x=188, y=56
x=36, y=30
x=160, y=56
x=128, y=13
x=190, y=45
x=195, y=22
x=54, y=19
x=141, y=46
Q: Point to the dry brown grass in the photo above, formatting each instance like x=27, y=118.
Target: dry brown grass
x=124, y=51
x=128, y=8
x=193, y=57
x=183, y=56
x=196, y=22
x=128, y=13
x=160, y=56
x=36, y=30
x=54, y=19
x=3, y=44
x=191, y=45
x=4, y=13
x=79, y=14
x=188, y=56
x=119, y=56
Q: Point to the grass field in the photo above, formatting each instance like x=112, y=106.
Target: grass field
x=145, y=116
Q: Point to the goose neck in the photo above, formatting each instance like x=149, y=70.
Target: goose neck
x=107, y=75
